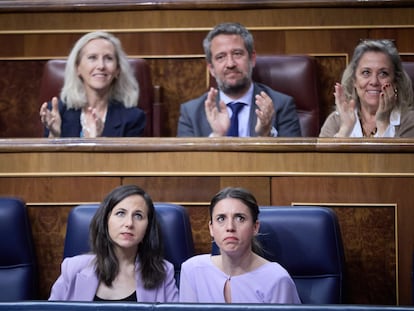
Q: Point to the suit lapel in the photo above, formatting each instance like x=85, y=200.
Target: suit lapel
x=113, y=120
x=86, y=284
x=252, y=116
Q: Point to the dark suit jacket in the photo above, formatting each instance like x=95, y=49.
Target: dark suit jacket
x=120, y=121
x=193, y=120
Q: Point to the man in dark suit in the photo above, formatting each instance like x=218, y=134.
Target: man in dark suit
x=260, y=111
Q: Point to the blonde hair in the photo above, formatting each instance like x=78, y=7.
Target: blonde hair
x=124, y=88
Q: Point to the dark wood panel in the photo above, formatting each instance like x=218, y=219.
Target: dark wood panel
x=43, y=45
x=197, y=189
x=330, y=70
x=178, y=188
x=181, y=80
x=187, y=42
x=49, y=229
x=197, y=16
x=199, y=217
x=19, y=89
x=259, y=186
x=58, y=189
x=368, y=234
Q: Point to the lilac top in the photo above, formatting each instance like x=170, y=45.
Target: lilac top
x=79, y=282
x=202, y=281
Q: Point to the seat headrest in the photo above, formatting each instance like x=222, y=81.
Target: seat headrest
x=294, y=75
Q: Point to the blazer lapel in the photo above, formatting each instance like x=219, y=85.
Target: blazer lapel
x=253, y=117
x=86, y=284
x=113, y=120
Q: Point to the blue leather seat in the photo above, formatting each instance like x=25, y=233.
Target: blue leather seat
x=142, y=306
x=307, y=242
x=18, y=267
x=174, y=223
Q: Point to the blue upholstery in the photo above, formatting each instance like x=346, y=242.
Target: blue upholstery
x=18, y=274
x=307, y=242
x=174, y=223
x=116, y=306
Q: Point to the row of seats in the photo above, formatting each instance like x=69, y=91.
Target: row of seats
x=305, y=240
x=281, y=72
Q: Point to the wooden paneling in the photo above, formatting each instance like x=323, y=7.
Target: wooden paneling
x=170, y=34
x=365, y=181
x=198, y=16
x=370, y=246
x=184, y=43
x=48, y=225
x=69, y=189
x=368, y=179
x=200, y=189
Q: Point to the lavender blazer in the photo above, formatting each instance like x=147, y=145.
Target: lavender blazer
x=78, y=282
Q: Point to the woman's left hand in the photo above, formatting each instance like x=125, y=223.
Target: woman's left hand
x=387, y=102
x=99, y=123
x=95, y=124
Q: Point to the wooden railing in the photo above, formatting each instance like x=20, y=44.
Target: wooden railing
x=101, y=5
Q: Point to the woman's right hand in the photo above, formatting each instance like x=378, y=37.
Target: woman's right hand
x=51, y=118
x=346, y=111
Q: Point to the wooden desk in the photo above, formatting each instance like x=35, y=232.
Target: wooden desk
x=369, y=184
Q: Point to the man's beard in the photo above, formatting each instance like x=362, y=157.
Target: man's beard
x=233, y=89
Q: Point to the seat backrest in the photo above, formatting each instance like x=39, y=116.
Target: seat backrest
x=18, y=265
x=53, y=78
x=409, y=68
x=294, y=75
x=307, y=242
x=174, y=224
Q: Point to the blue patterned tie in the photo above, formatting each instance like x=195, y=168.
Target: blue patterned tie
x=234, y=121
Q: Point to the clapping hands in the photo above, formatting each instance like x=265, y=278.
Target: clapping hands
x=51, y=118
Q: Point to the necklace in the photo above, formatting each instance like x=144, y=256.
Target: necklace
x=373, y=132
x=366, y=133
